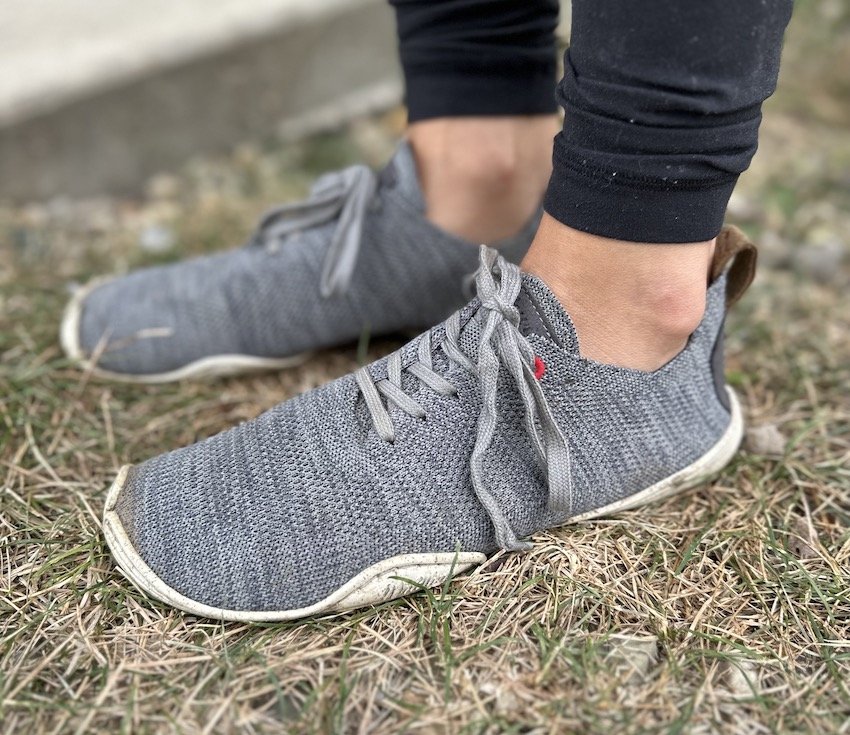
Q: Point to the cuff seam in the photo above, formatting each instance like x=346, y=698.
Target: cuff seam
x=629, y=180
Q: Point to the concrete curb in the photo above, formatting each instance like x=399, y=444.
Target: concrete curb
x=296, y=67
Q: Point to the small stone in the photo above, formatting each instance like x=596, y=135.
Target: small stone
x=821, y=261
x=774, y=250
x=765, y=440
x=156, y=239
x=741, y=679
x=803, y=540
x=742, y=208
x=504, y=700
x=632, y=655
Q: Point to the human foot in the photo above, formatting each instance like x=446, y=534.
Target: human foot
x=633, y=304
x=358, y=255
x=478, y=433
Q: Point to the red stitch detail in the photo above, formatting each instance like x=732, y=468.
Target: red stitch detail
x=539, y=367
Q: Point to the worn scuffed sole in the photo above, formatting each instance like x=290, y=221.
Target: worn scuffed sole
x=213, y=366
x=387, y=579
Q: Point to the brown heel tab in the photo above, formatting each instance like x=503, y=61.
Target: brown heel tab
x=734, y=247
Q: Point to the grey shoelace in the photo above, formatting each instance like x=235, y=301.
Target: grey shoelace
x=342, y=195
x=498, y=283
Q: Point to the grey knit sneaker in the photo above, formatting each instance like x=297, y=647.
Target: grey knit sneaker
x=474, y=436
x=357, y=255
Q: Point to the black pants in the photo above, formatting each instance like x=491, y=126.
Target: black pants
x=662, y=99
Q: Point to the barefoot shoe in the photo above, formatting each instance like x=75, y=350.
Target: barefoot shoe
x=479, y=433
x=357, y=256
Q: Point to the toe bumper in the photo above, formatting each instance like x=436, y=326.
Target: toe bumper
x=386, y=580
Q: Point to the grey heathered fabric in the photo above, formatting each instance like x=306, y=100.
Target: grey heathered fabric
x=266, y=299
x=279, y=512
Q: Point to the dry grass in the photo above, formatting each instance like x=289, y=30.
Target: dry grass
x=724, y=610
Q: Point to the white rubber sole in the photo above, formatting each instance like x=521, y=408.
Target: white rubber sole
x=386, y=579
x=207, y=367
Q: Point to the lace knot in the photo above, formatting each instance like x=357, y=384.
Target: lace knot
x=344, y=196
x=507, y=311
x=501, y=344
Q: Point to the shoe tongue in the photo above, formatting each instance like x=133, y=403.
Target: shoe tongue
x=541, y=313
x=402, y=177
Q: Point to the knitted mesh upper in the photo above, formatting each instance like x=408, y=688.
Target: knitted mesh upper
x=279, y=512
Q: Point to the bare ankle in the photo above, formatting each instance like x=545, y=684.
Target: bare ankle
x=483, y=178
x=633, y=304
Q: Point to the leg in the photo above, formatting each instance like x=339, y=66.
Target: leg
x=662, y=104
x=479, y=76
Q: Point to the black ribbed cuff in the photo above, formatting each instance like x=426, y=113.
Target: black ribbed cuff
x=628, y=207
x=485, y=91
